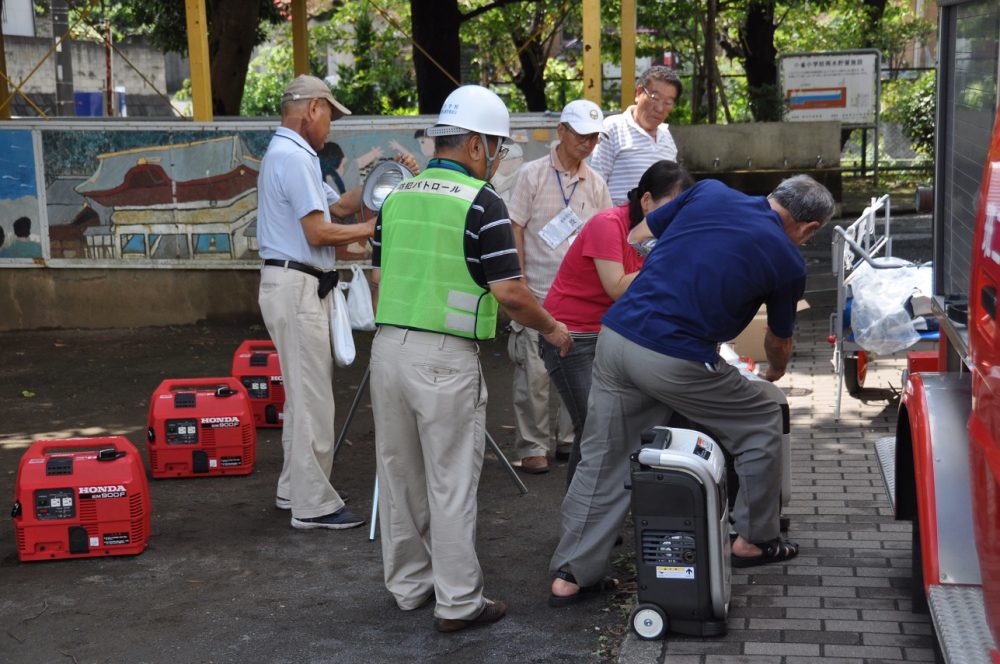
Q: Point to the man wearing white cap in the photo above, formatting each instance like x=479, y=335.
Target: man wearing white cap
x=297, y=237
x=551, y=199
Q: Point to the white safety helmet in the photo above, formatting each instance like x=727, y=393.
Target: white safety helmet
x=472, y=108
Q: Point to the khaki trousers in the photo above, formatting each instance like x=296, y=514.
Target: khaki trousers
x=299, y=325
x=429, y=404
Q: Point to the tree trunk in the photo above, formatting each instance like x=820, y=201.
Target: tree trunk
x=698, y=70
x=531, y=80
x=435, y=29
x=710, y=65
x=875, y=12
x=231, y=39
x=760, y=61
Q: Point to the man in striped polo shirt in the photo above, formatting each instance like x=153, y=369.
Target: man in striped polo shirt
x=638, y=137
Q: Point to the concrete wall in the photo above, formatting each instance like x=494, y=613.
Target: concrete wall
x=24, y=53
x=759, y=145
x=755, y=157
x=36, y=293
x=86, y=298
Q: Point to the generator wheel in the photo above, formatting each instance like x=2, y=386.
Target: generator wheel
x=649, y=622
x=855, y=371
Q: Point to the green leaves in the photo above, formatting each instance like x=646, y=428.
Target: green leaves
x=912, y=104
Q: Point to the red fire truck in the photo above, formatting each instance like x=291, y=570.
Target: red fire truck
x=942, y=468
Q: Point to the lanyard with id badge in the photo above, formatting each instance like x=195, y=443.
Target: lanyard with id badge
x=562, y=226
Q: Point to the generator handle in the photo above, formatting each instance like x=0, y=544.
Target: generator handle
x=214, y=384
x=657, y=436
x=110, y=454
x=120, y=443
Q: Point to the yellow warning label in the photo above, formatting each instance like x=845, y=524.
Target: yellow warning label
x=679, y=572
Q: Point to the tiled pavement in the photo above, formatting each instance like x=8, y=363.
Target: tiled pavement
x=846, y=597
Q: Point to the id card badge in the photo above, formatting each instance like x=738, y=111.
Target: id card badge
x=560, y=227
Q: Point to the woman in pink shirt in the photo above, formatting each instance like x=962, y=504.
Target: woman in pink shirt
x=598, y=267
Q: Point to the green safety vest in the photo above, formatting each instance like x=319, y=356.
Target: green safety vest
x=425, y=282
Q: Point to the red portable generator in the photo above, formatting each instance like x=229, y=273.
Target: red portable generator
x=255, y=365
x=199, y=427
x=81, y=498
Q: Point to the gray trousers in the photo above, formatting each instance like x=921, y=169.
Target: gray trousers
x=429, y=405
x=635, y=388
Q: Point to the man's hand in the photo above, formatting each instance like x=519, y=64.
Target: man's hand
x=407, y=159
x=521, y=306
x=770, y=375
x=778, y=351
x=559, y=337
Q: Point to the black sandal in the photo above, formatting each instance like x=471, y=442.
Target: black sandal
x=585, y=592
x=773, y=551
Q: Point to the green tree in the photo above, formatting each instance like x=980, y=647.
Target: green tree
x=913, y=104
x=271, y=70
x=514, y=43
x=235, y=27
x=380, y=80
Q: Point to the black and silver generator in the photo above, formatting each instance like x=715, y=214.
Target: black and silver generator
x=682, y=548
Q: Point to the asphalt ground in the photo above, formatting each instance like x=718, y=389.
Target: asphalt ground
x=226, y=579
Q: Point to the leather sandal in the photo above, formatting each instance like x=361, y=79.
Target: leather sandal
x=585, y=592
x=773, y=551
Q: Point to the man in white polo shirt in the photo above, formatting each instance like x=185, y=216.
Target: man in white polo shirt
x=639, y=136
x=551, y=199
x=297, y=238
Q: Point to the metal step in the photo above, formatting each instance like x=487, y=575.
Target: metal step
x=960, y=621
x=885, y=450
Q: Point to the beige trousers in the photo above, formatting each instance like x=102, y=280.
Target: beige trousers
x=532, y=390
x=429, y=404
x=299, y=325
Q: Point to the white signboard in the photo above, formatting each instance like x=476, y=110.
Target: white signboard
x=830, y=86
x=18, y=17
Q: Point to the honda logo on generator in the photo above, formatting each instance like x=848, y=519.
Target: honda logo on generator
x=255, y=365
x=199, y=427
x=81, y=498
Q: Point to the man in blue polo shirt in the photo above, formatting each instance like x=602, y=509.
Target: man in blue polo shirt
x=719, y=256
x=297, y=236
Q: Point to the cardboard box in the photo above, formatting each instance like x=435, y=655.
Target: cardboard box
x=750, y=342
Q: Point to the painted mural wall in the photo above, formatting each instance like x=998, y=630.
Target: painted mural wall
x=104, y=194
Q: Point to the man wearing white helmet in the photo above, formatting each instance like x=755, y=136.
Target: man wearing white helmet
x=444, y=258
x=552, y=198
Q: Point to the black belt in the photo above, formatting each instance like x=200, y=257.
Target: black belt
x=327, y=280
x=294, y=265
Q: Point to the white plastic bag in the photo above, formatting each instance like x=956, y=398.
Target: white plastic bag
x=359, y=302
x=341, y=338
x=879, y=318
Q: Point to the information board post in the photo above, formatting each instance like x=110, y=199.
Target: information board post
x=840, y=86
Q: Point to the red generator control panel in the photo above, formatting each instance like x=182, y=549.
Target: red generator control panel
x=255, y=365
x=200, y=427
x=81, y=498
